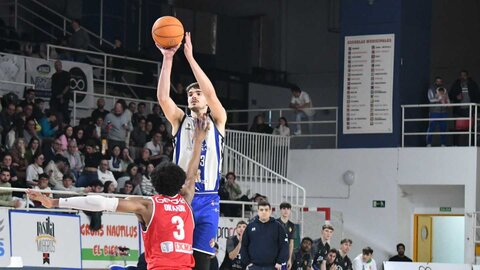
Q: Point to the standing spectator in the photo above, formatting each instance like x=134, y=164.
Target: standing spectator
x=118, y=125
x=264, y=242
x=437, y=94
x=285, y=212
x=6, y=198
x=103, y=174
x=156, y=147
x=60, y=92
x=146, y=184
x=49, y=125
x=74, y=159
x=259, y=125
x=400, y=257
x=139, y=135
x=79, y=40
x=302, y=105
x=100, y=110
x=89, y=174
x=282, y=129
x=117, y=62
x=33, y=147
x=342, y=255
x=232, y=259
x=365, y=261
x=303, y=259
x=329, y=262
x=35, y=169
x=321, y=246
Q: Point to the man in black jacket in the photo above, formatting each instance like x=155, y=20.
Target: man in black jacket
x=321, y=246
x=264, y=242
x=232, y=259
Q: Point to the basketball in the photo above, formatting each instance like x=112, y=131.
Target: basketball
x=167, y=32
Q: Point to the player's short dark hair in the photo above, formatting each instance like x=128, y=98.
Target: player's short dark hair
x=168, y=178
x=264, y=203
x=67, y=176
x=307, y=239
x=241, y=222
x=333, y=250
x=128, y=182
x=97, y=183
x=4, y=169
x=295, y=88
x=43, y=175
x=286, y=205
x=400, y=245
x=194, y=85
x=327, y=226
x=346, y=240
x=367, y=251
x=231, y=173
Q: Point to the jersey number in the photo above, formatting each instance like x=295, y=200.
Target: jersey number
x=202, y=161
x=179, y=234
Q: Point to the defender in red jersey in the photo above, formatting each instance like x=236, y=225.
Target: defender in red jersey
x=167, y=218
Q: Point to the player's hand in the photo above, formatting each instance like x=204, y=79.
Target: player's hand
x=188, y=47
x=202, y=125
x=278, y=266
x=37, y=196
x=170, y=52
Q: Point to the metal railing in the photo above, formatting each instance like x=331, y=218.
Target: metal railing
x=106, y=68
x=22, y=8
x=471, y=116
x=321, y=128
x=269, y=150
x=255, y=177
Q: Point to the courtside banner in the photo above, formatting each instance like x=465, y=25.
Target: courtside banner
x=46, y=239
x=226, y=228
x=39, y=72
x=103, y=247
x=4, y=238
x=12, y=69
x=425, y=266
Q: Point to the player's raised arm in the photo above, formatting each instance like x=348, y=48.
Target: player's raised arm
x=172, y=112
x=201, y=128
x=217, y=111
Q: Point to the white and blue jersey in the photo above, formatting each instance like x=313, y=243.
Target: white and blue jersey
x=205, y=203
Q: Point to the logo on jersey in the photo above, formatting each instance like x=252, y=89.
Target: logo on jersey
x=166, y=247
x=253, y=229
x=212, y=243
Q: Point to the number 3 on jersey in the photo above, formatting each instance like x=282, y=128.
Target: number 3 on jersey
x=202, y=160
x=179, y=234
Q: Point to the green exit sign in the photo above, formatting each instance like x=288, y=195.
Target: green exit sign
x=378, y=204
x=445, y=209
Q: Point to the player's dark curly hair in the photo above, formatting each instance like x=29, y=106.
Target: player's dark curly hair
x=168, y=178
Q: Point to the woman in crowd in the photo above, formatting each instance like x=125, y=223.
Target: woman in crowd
x=80, y=138
x=109, y=187
x=33, y=147
x=18, y=157
x=146, y=184
x=132, y=171
x=115, y=163
x=125, y=159
x=66, y=136
x=282, y=129
x=35, y=169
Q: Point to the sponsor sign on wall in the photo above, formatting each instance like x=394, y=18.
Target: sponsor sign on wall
x=12, y=69
x=104, y=247
x=4, y=238
x=425, y=266
x=46, y=239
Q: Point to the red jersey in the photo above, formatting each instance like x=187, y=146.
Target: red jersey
x=168, y=238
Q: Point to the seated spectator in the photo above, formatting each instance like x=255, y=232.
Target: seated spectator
x=33, y=147
x=89, y=174
x=155, y=117
x=132, y=171
x=18, y=157
x=97, y=186
x=74, y=159
x=54, y=149
x=7, y=119
x=342, y=255
x=35, y=169
x=146, y=184
x=232, y=251
x=66, y=136
x=139, y=135
x=104, y=174
x=7, y=163
x=437, y=94
x=166, y=135
x=115, y=163
x=232, y=187
x=28, y=113
x=67, y=185
x=365, y=260
x=43, y=186
x=109, y=187
x=80, y=138
x=125, y=158
x=156, y=147
x=400, y=257
x=259, y=125
x=55, y=170
x=127, y=188
x=49, y=125
x=30, y=131
x=29, y=98
x=302, y=258
x=140, y=114
x=149, y=130
x=144, y=159
x=6, y=198
x=15, y=132
x=282, y=129
x=100, y=110
x=302, y=105
x=328, y=263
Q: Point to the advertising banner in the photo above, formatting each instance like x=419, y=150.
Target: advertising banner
x=12, y=69
x=226, y=228
x=425, y=266
x=4, y=238
x=108, y=245
x=46, y=239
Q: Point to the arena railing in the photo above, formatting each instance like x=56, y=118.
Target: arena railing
x=320, y=131
x=255, y=177
x=5, y=90
x=102, y=63
x=410, y=114
x=255, y=146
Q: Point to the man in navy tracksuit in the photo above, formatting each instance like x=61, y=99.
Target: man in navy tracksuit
x=264, y=242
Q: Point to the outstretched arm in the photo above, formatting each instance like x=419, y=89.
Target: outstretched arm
x=217, y=111
x=201, y=128
x=172, y=112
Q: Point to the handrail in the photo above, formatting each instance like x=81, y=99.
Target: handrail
x=18, y=83
x=282, y=109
